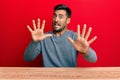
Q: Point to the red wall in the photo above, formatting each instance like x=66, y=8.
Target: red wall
x=102, y=15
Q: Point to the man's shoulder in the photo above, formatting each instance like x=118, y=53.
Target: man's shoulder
x=71, y=32
x=49, y=32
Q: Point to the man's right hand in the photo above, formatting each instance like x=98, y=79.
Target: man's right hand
x=38, y=32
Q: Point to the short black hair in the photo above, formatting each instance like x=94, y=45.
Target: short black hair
x=63, y=7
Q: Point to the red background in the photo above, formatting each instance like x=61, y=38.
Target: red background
x=102, y=15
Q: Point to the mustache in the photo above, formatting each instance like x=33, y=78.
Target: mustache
x=56, y=23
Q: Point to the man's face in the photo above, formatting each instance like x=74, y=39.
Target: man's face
x=60, y=20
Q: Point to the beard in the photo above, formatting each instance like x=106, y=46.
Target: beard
x=59, y=30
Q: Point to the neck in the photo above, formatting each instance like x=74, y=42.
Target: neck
x=60, y=33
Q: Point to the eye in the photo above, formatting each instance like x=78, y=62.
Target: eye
x=60, y=16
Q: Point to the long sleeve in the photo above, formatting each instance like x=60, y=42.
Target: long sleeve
x=32, y=51
x=91, y=56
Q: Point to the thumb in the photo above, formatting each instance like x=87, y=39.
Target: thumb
x=48, y=35
x=70, y=40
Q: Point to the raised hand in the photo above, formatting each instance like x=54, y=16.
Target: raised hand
x=38, y=32
x=82, y=43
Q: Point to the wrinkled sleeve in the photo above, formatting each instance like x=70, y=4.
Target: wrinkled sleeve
x=91, y=56
x=32, y=51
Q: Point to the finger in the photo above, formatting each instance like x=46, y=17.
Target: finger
x=38, y=24
x=88, y=33
x=78, y=30
x=84, y=29
x=29, y=28
x=70, y=40
x=43, y=25
x=48, y=35
x=92, y=40
x=34, y=25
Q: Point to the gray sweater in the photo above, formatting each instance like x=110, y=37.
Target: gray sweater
x=57, y=51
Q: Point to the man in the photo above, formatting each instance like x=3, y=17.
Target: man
x=61, y=46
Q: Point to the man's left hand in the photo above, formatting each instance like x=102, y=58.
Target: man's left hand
x=81, y=44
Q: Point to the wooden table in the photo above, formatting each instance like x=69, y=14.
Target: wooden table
x=38, y=73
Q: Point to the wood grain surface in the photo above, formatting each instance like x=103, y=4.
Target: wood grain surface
x=38, y=73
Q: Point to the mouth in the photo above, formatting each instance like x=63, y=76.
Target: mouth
x=55, y=25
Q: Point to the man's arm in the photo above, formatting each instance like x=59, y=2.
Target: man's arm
x=32, y=51
x=91, y=56
x=82, y=44
x=38, y=35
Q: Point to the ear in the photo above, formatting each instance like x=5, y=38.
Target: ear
x=68, y=20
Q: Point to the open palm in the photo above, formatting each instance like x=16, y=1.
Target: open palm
x=38, y=32
x=82, y=43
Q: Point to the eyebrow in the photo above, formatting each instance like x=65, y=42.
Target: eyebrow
x=59, y=14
